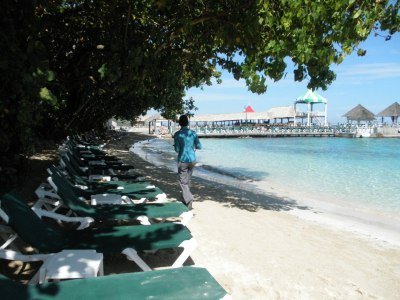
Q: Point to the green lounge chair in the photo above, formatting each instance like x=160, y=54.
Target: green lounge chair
x=138, y=191
x=126, y=239
x=80, y=144
x=78, y=178
x=83, y=159
x=95, y=142
x=89, y=153
x=189, y=283
x=87, y=172
x=96, y=166
x=144, y=213
x=67, y=166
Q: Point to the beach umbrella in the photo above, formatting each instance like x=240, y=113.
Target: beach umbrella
x=359, y=113
x=248, y=109
x=392, y=111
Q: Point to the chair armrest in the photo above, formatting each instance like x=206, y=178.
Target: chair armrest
x=46, y=190
x=97, y=178
x=13, y=255
x=127, y=200
x=82, y=187
x=48, y=204
x=3, y=215
x=84, y=221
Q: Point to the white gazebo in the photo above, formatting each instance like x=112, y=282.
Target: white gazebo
x=311, y=98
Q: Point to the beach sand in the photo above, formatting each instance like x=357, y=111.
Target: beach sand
x=253, y=244
x=257, y=249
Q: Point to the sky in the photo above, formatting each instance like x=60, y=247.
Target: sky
x=372, y=80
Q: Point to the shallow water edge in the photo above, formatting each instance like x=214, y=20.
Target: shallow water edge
x=375, y=225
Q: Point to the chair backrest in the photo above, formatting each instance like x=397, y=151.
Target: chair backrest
x=53, y=169
x=63, y=180
x=69, y=197
x=30, y=227
x=74, y=162
x=74, y=175
x=78, y=179
x=71, y=169
x=73, y=157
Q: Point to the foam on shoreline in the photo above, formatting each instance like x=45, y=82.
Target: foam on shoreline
x=381, y=228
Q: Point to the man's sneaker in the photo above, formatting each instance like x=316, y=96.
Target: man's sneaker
x=189, y=205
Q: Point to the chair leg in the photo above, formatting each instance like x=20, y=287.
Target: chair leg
x=161, y=198
x=144, y=220
x=8, y=239
x=35, y=279
x=132, y=254
x=188, y=247
x=186, y=217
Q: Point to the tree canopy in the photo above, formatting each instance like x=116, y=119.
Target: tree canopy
x=68, y=66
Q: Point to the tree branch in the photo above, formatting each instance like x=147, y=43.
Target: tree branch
x=127, y=24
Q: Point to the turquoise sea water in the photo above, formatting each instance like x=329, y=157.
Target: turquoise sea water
x=361, y=172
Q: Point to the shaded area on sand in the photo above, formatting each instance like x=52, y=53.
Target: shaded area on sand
x=36, y=173
x=255, y=249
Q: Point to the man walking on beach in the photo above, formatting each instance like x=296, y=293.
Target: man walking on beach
x=185, y=143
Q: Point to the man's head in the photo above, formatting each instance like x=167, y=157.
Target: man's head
x=183, y=120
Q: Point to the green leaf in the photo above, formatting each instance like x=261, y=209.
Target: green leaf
x=50, y=76
x=361, y=52
x=46, y=95
x=102, y=71
x=357, y=14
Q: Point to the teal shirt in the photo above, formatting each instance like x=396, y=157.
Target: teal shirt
x=185, y=142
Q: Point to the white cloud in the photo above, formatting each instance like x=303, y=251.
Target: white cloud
x=212, y=97
x=362, y=73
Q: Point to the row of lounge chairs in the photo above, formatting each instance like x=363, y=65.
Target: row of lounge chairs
x=136, y=217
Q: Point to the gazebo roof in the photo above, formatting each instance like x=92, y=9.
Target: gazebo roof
x=359, y=113
x=311, y=97
x=391, y=111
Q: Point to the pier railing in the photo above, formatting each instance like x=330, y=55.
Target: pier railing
x=238, y=131
x=339, y=130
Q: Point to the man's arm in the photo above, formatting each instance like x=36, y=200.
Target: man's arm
x=197, y=143
x=176, y=143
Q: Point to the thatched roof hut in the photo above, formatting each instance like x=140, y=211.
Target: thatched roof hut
x=392, y=111
x=359, y=113
x=282, y=112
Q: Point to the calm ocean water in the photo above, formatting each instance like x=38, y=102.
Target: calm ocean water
x=359, y=172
